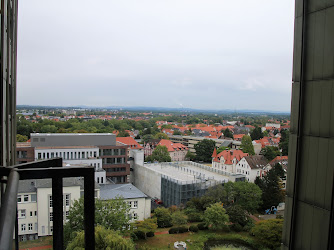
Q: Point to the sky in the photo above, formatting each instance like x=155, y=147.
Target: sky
x=201, y=54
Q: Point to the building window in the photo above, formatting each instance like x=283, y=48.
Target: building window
x=26, y=198
x=50, y=201
x=67, y=200
x=19, y=199
x=135, y=204
x=66, y=214
x=51, y=229
x=30, y=227
x=23, y=227
x=135, y=216
x=51, y=216
x=130, y=204
x=33, y=197
x=35, y=213
x=30, y=213
x=22, y=213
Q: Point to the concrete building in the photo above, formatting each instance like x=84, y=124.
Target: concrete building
x=140, y=203
x=176, y=183
x=35, y=207
x=98, y=150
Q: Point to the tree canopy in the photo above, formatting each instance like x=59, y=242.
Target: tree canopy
x=227, y=133
x=268, y=233
x=160, y=154
x=256, y=134
x=111, y=214
x=284, y=141
x=270, y=152
x=104, y=239
x=215, y=216
x=204, y=150
x=247, y=145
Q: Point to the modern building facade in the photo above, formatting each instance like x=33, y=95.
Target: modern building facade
x=98, y=150
x=309, y=202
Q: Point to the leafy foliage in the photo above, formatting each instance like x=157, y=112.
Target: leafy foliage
x=204, y=150
x=256, y=134
x=284, y=141
x=160, y=154
x=237, y=215
x=163, y=215
x=111, y=214
x=215, y=216
x=270, y=152
x=247, y=145
x=227, y=133
x=178, y=218
x=104, y=239
x=268, y=233
x=270, y=184
x=247, y=195
x=146, y=226
x=21, y=138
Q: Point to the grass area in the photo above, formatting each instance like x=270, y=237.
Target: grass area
x=195, y=241
x=42, y=241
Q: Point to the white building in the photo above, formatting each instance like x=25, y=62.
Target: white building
x=35, y=206
x=140, y=203
x=75, y=155
x=252, y=166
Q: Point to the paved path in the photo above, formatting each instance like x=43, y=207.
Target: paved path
x=158, y=233
x=37, y=248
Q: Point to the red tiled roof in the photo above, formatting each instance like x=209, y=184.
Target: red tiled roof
x=279, y=158
x=129, y=141
x=172, y=146
x=229, y=155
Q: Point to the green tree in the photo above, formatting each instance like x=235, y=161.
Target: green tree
x=247, y=195
x=104, y=239
x=268, y=233
x=270, y=184
x=215, y=216
x=284, y=141
x=111, y=214
x=204, y=150
x=123, y=134
x=148, y=225
x=256, y=134
x=247, y=145
x=237, y=215
x=160, y=154
x=164, y=218
x=178, y=218
x=160, y=136
x=21, y=138
x=227, y=133
x=177, y=132
x=270, y=152
x=49, y=129
x=221, y=149
x=190, y=156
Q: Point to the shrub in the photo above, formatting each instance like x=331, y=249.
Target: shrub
x=268, y=233
x=193, y=228
x=236, y=227
x=173, y=230
x=140, y=234
x=195, y=217
x=178, y=218
x=150, y=234
x=202, y=226
x=177, y=230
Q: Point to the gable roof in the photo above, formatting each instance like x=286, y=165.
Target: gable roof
x=127, y=191
x=172, y=146
x=229, y=155
x=256, y=161
x=129, y=141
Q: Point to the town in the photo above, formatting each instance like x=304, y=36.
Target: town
x=169, y=171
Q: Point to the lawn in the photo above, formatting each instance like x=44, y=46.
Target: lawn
x=42, y=241
x=194, y=241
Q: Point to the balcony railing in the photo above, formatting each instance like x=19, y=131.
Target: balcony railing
x=53, y=169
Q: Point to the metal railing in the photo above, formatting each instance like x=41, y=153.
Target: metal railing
x=41, y=170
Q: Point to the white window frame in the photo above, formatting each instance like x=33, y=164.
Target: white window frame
x=30, y=227
x=23, y=227
x=22, y=213
x=135, y=204
x=24, y=198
